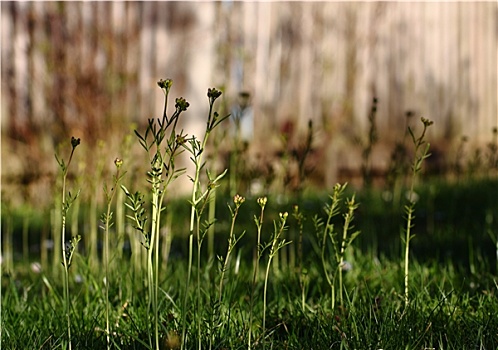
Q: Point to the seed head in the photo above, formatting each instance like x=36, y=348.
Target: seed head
x=75, y=142
x=426, y=122
x=213, y=94
x=165, y=84
x=181, y=104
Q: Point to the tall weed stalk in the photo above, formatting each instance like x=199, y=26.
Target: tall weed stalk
x=69, y=247
x=106, y=225
x=232, y=241
x=421, y=153
x=200, y=197
x=328, y=232
x=259, y=250
x=303, y=280
x=161, y=150
x=275, y=245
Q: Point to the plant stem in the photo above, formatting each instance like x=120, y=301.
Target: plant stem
x=229, y=251
x=259, y=224
x=275, y=247
x=66, y=259
x=420, y=156
x=107, y=224
x=348, y=218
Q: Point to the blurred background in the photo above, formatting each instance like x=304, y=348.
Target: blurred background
x=89, y=70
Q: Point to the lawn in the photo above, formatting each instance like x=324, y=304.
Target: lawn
x=408, y=267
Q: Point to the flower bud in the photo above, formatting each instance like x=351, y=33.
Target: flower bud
x=118, y=162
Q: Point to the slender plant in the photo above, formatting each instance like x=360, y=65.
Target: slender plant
x=199, y=199
x=275, y=245
x=302, y=273
x=106, y=225
x=258, y=220
x=328, y=232
x=421, y=153
x=347, y=239
x=161, y=150
x=232, y=241
x=69, y=247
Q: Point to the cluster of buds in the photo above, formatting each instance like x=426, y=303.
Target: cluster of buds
x=181, y=104
x=118, y=162
x=165, y=84
x=213, y=94
x=426, y=122
x=262, y=201
x=75, y=142
x=238, y=200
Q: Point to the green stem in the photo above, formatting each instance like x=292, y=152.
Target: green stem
x=264, y=298
x=259, y=223
x=211, y=215
x=275, y=247
x=106, y=267
x=229, y=251
x=63, y=244
x=198, y=295
x=154, y=263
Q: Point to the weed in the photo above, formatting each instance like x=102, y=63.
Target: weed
x=327, y=232
x=106, y=225
x=162, y=172
x=232, y=240
x=303, y=280
x=420, y=155
x=200, y=198
x=259, y=249
x=69, y=247
x=275, y=245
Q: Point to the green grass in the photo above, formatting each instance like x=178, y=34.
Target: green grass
x=452, y=304
x=446, y=310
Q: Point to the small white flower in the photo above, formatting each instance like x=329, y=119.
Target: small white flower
x=346, y=266
x=36, y=267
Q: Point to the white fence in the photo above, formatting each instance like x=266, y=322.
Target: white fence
x=91, y=67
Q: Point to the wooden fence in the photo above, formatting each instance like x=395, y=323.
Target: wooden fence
x=90, y=68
